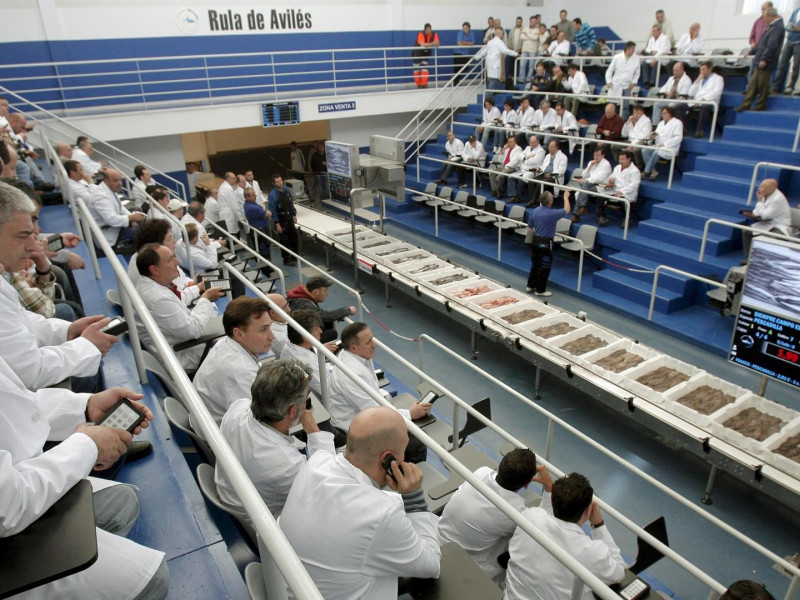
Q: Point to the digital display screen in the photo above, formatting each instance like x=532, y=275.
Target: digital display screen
x=766, y=338
x=280, y=113
x=338, y=157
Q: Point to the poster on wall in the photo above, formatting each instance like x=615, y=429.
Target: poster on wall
x=766, y=338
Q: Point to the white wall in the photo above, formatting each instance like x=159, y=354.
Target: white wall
x=164, y=152
x=357, y=130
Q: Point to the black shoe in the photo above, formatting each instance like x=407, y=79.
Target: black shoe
x=532, y=204
x=138, y=450
x=741, y=108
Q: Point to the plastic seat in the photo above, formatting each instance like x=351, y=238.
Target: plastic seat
x=178, y=416
x=497, y=209
x=517, y=213
x=562, y=228
x=429, y=189
x=461, y=197
x=586, y=234
x=205, y=481
x=444, y=194
x=468, y=212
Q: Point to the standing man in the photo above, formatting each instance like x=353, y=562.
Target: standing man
x=298, y=162
x=515, y=43
x=228, y=209
x=453, y=147
x=376, y=536
x=319, y=167
x=756, y=33
x=665, y=25
x=565, y=25
x=541, y=231
x=464, y=40
x=791, y=49
x=252, y=182
x=281, y=207
x=530, y=47
x=193, y=177
x=771, y=213
x=494, y=52
x=118, y=224
x=585, y=38
x=766, y=59
x=623, y=73
x=212, y=208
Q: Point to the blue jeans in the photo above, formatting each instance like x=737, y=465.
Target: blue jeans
x=493, y=84
x=650, y=157
x=321, y=182
x=790, y=50
x=527, y=66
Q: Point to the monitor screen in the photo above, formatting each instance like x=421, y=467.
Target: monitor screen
x=280, y=113
x=338, y=158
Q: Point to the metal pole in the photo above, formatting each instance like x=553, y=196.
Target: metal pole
x=133, y=332
x=653, y=294
x=323, y=380
x=549, y=446
x=712, y=477
x=580, y=266
x=499, y=240
x=762, y=386
x=353, y=234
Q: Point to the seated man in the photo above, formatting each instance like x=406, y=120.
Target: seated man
x=476, y=524
x=348, y=399
x=578, y=84
x=532, y=159
x=475, y=155
x=279, y=326
x=771, y=213
x=525, y=122
x=597, y=171
x=141, y=179
x=624, y=182
x=610, y=125
x=376, y=536
x=745, y=589
x=657, y=45
x=637, y=130
x=33, y=480
x=300, y=348
x=566, y=124
x=118, y=224
x=508, y=161
x=534, y=573
x=204, y=255
x=80, y=184
x=453, y=148
x=545, y=119
x=552, y=170
x=311, y=295
x=158, y=267
x=232, y=364
x=677, y=87
x=668, y=137
x=257, y=430
x=707, y=87
x=83, y=153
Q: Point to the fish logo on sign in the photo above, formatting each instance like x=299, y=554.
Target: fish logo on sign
x=187, y=20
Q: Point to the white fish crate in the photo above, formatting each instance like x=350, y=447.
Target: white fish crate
x=397, y=259
x=771, y=457
x=630, y=346
x=552, y=319
x=606, y=336
x=748, y=444
x=374, y=242
x=418, y=268
x=386, y=253
x=493, y=296
x=462, y=275
x=511, y=309
x=629, y=380
x=458, y=288
x=672, y=404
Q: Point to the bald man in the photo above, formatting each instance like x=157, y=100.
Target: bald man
x=376, y=535
x=63, y=151
x=116, y=221
x=278, y=324
x=771, y=213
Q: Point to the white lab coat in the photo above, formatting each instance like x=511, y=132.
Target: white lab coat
x=176, y=321
x=670, y=135
x=228, y=211
x=686, y=46
x=347, y=399
x=494, y=51
x=258, y=446
x=478, y=526
x=626, y=181
x=212, y=209
x=514, y=158
x=139, y=189
x=534, y=574
x=474, y=154
x=82, y=189
x=306, y=356
x=657, y=47
x=32, y=481
x=354, y=539
x=578, y=84
x=279, y=330
x=774, y=212
x=454, y=148
x=684, y=85
x=639, y=131
x=559, y=165
x=90, y=167
x=527, y=118
x=597, y=173
x=558, y=49
x=260, y=197
x=490, y=115
x=107, y=210
x=37, y=348
x=510, y=119
x=204, y=256
x=710, y=88
x=189, y=293
x=532, y=158
x=546, y=120
x=225, y=376
x=621, y=73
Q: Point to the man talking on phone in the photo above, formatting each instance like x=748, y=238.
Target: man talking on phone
x=353, y=538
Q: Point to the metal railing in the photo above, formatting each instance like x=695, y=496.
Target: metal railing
x=765, y=163
x=662, y=268
x=753, y=230
x=553, y=420
x=146, y=83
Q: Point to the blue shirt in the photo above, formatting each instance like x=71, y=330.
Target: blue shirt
x=543, y=221
x=794, y=36
x=273, y=202
x=585, y=38
x=464, y=37
x=256, y=215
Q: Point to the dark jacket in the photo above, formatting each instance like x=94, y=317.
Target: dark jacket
x=299, y=298
x=768, y=48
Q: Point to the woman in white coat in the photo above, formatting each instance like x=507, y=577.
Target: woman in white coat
x=669, y=135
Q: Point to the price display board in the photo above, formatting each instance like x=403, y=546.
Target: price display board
x=766, y=338
x=280, y=113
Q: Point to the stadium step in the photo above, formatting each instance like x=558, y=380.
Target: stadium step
x=757, y=135
x=632, y=265
x=688, y=237
x=691, y=216
x=637, y=291
x=736, y=187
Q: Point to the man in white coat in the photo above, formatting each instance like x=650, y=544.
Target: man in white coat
x=80, y=185
x=494, y=51
x=477, y=525
x=232, y=364
x=279, y=326
x=299, y=348
x=31, y=481
x=622, y=74
x=677, y=86
x=657, y=45
x=771, y=213
x=42, y=352
x=252, y=182
x=116, y=221
x=637, y=130
x=376, y=536
x=707, y=87
x=201, y=248
x=453, y=148
x=577, y=84
x=534, y=573
x=552, y=170
x=257, y=430
x=228, y=209
x=158, y=267
x=508, y=161
x=597, y=171
x=623, y=183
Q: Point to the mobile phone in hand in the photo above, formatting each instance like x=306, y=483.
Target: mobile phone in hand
x=386, y=463
x=123, y=415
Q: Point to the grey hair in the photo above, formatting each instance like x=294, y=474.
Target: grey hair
x=278, y=386
x=13, y=200
x=772, y=12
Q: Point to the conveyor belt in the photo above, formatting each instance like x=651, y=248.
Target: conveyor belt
x=413, y=270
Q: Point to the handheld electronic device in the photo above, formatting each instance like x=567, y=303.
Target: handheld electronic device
x=55, y=242
x=379, y=373
x=635, y=589
x=386, y=463
x=429, y=398
x=212, y=274
x=117, y=326
x=222, y=284
x=123, y=415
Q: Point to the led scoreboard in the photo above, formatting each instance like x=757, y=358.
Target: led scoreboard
x=766, y=338
x=280, y=113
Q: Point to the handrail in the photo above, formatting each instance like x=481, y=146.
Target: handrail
x=4, y=90
x=760, y=232
x=300, y=260
x=661, y=268
x=555, y=419
x=265, y=524
x=583, y=140
x=455, y=466
x=559, y=186
x=766, y=163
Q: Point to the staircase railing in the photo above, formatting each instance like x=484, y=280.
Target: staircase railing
x=765, y=163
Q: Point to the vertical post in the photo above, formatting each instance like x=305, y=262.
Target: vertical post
x=712, y=477
x=385, y=72
x=386, y=294
x=549, y=445
x=714, y=123
x=473, y=344
x=87, y=235
x=580, y=267
x=794, y=586
x=133, y=332
x=436, y=220
x=762, y=385
x=577, y=589
x=627, y=218
x=537, y=382
x=323, y=381
x=499, y=239
x=421, y=356
x=653, y=294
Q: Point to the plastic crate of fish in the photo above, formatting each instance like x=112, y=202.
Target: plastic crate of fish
x=340, y=234
x=471, y=288
x=654, y=377
x=494, y=299
x=515, y=315
x=613, y=361
x=548, y=329
x=388, y=251
x=397, y=259
x=783, y=452
x=752, y=424
x=427, y=266
x=701, y=399
x=450, y=277
x=373, y=243
x=577, y=344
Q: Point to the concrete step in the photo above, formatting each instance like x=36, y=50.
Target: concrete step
x=639, y=292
